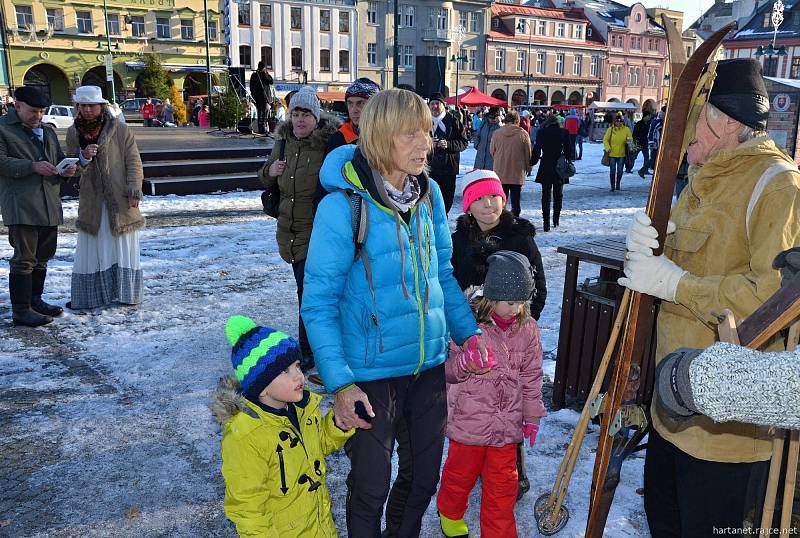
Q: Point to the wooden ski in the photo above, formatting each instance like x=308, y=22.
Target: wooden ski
x=628, y=365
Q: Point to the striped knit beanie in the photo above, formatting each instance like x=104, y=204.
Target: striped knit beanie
x=259, y=354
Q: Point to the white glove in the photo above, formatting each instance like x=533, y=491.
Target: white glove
x=654, y=275
x=642, y=237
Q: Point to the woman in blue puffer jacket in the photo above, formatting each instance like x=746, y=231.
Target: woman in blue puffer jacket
x=379, y=320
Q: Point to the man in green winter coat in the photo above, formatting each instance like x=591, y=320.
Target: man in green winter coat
x=30, y=203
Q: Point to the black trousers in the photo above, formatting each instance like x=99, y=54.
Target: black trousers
x=261, y=111
x=573, y=140
x=685, y=497
x=299, y=270
x=514, y=195
x=447, y=183
x=556, y=191
x=33, y=247
x=421, y=402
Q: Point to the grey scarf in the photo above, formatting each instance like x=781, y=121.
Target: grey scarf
x=406, y=199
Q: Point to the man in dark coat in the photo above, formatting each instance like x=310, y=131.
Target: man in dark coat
x=640, y=131
x=30, y=202
x=261, y=90
x=449, y=141
x=551, y=142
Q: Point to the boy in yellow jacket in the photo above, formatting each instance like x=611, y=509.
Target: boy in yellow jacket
x=274, y=438
x=614, y=142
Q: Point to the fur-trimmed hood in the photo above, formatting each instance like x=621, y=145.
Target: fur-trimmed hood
x=228, y=401
x=326, y=127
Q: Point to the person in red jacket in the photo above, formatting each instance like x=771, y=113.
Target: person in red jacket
x=148, y=110
x=572, y=124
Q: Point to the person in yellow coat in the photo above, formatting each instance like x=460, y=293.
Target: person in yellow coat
x=274, y=438
x=614, y=143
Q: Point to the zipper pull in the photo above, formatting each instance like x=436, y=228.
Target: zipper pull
x=374, y=319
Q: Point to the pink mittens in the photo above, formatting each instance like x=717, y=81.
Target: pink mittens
x=529, y=432
x=472, y=356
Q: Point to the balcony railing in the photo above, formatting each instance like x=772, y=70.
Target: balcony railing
x=434, y=34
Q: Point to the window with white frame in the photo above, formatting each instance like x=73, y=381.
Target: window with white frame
x=137, y=26
x=162, y=28
x=296, y=18
x=560, y=29
x=521, y=63
x=113, y=24
x=629, y=77
x=577, y=66
x=475, y=22
x=266, y=57
x=541, y=59
x=472, y=55
x=24, y=16
x=344, y=23
x=265, y=15
x=187, y=29
x=560, y=63
x=439, y=18
x=324, y=60
x=55, y=19
x=462, y=20
x=408, y=56
x=245, y=58
x=324, y=20
x=637, y=76
x=499, y=60
x=213, y=35
x=372, y=12
x=244, y=13
x=84, y=22
x=297, y=58
x=408, y=16
x=577, y=31
x=372, y=53
x=542, y=30
x=594, y=66
x=495, y=23
x=344, y=61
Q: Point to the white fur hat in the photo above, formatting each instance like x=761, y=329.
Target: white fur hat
x=89, y=95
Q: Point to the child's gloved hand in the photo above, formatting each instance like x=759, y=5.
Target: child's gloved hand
x=470, y=359
x=529, y=432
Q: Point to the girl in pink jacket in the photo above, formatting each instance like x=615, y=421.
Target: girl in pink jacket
x=493, y=405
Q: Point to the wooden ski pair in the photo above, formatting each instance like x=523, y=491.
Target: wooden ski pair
x=622, y=428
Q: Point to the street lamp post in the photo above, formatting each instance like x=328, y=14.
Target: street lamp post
x=521, y=27
x=457, y=59
x=771, y=50
x=109, y=58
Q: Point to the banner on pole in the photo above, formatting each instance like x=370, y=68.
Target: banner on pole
x=109, y=68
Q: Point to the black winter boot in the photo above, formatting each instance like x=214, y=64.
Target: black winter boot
x=37, y=288
x=612, y=182
x=619, y=180
x=523, y=485
x=22, y=313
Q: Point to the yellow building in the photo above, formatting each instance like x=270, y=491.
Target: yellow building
x=59, y=45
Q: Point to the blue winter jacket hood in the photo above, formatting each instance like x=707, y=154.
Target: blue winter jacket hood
x=393, y=316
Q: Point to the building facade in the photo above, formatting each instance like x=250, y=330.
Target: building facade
x=758, y=31
x=59, y=46
x=637, y=51
x=543, y=56
x=430, y=34
x=301, y=42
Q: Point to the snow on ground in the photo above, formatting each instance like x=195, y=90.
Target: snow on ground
x=104, y=426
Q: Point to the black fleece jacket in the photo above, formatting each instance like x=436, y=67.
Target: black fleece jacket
x=472, y=247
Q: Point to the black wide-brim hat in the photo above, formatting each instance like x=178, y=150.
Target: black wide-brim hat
x=437, y=97
x=32, y=97
x=739, y=91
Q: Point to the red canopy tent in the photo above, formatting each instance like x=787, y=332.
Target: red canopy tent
x=474, y=97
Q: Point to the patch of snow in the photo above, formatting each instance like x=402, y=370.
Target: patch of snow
x=123, y=392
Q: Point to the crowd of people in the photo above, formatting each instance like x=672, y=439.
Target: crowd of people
x=379, y=260
x=422, y=334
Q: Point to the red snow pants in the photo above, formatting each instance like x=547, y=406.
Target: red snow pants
x=497, y=467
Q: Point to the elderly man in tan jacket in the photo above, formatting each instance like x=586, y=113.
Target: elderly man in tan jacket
x=741, y=208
